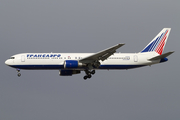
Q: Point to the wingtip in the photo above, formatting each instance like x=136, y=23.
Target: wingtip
x=121, y=44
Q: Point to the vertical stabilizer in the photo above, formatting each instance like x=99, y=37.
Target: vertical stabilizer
x=158, y=43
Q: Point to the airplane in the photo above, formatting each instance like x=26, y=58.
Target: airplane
x=69, y=64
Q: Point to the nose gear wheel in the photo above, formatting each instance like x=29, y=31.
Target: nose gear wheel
x=18, y=73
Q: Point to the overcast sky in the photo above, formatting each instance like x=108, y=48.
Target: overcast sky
x=148, y=93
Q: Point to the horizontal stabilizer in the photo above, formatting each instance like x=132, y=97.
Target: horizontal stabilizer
x=161, y=56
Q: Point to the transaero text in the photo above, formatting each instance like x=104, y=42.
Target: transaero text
x=43, y=55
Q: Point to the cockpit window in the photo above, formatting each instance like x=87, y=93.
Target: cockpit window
x=12, y=58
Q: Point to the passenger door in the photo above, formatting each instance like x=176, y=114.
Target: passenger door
x=22, y=58
x=135, y=58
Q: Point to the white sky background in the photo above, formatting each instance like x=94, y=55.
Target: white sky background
x=88, y=26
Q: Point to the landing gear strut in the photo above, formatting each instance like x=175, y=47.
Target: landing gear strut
x=18, y=73
x=89, y=74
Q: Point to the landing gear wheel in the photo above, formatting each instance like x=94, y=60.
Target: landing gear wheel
x=19, y=74
x=89, y=76
x=85, y=77
x=93, y=72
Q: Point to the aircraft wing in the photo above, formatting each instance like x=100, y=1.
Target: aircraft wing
x=102, y=55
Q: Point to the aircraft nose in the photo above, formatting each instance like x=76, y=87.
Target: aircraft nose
x=7, y=62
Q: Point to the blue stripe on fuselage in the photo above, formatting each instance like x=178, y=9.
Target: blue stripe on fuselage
x=57, y=67
x=120, y=66
x=34, y=67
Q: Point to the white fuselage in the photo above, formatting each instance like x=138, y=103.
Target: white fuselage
x=56, y=60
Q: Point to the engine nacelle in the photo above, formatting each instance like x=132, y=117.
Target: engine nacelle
x=73, y=64
x=68, y=72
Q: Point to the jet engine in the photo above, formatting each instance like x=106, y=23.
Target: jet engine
x=73, y=64
x=68, y=72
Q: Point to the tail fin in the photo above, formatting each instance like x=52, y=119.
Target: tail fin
x=158, y=43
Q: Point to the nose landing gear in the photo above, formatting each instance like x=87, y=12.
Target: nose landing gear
x=89, y=74
x=18, y=73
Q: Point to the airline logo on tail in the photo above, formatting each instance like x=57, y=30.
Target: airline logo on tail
x=158, y=43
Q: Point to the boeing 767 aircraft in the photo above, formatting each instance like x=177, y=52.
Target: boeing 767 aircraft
x=73, y=63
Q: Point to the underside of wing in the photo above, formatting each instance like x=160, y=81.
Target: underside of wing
x=102, y=55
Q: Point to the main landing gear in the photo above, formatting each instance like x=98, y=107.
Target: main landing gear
x=89, y=74
x=18, y=73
